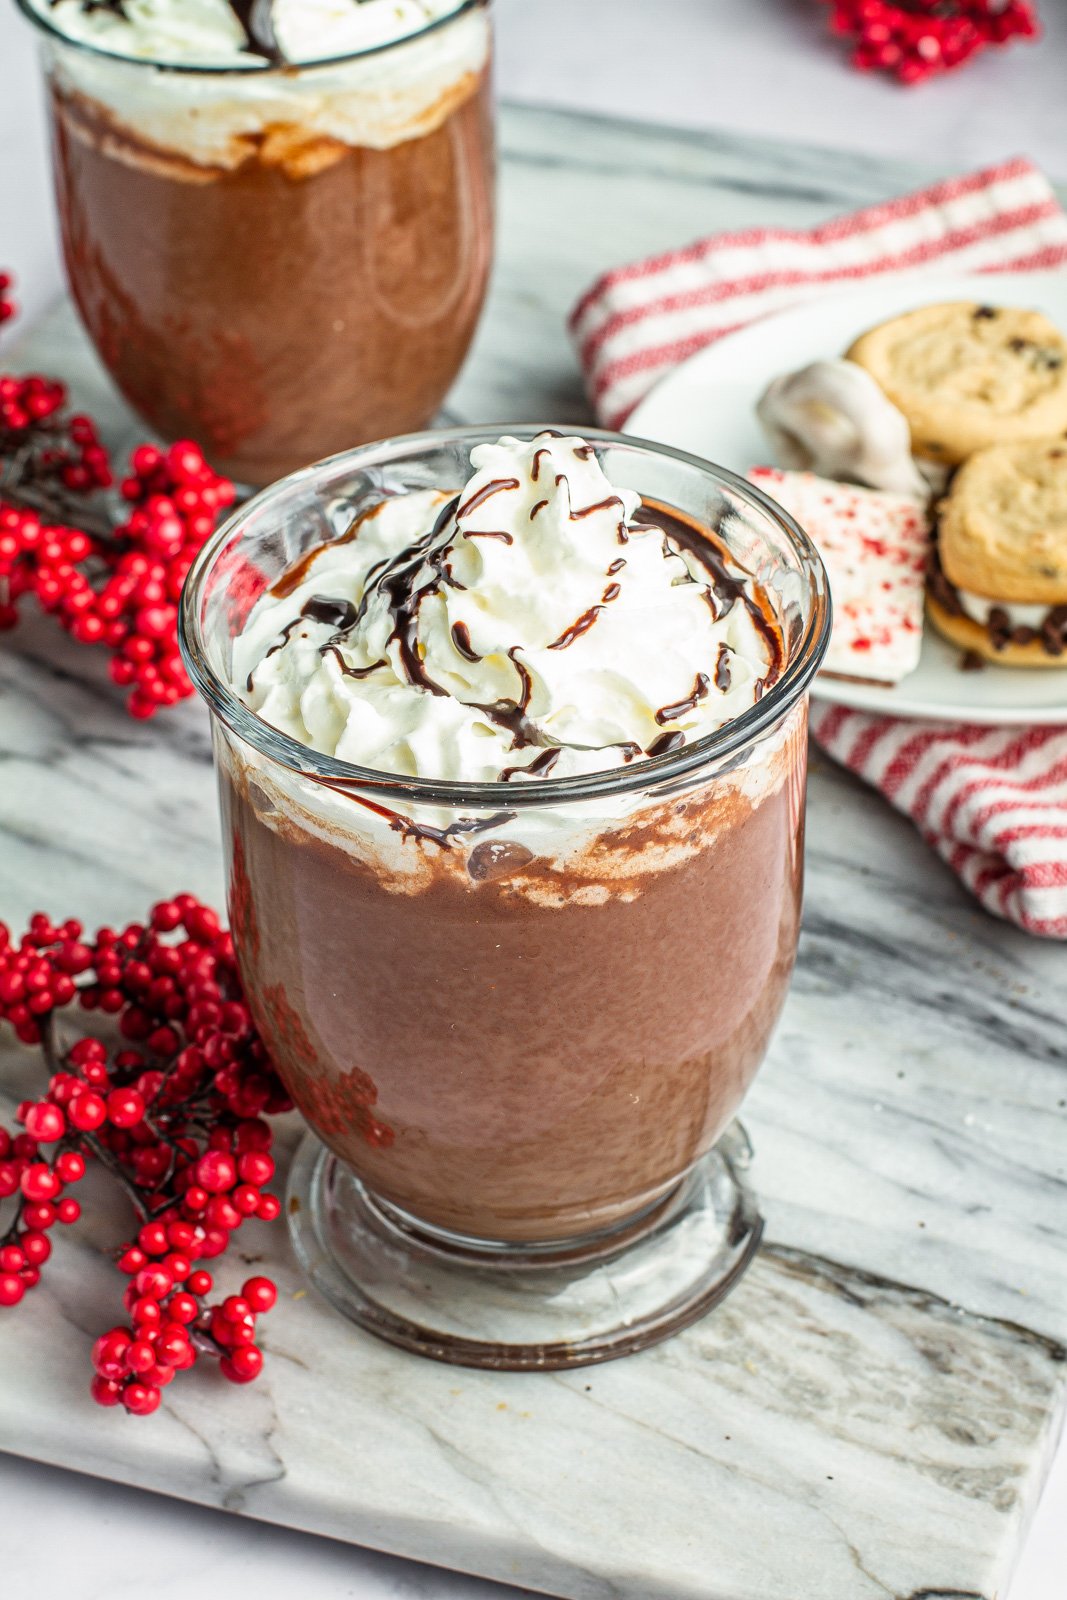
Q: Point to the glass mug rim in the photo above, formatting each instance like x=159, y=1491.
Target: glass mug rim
x=201, y=69
x=653, y=771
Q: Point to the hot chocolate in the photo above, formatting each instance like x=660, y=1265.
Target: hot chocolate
x=522, y=1020
x=277, y=221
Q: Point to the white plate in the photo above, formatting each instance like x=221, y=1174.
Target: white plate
x=707, y=405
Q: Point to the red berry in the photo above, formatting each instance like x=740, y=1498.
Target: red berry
x=12, y=1289
x=39, y=1182
x=105, y=1391
x=70, y=1166
x=109, y=1353
x=125, y=1108
x=243, y=1364
x=36, y=1247
x=45, y=1122
x=261, y=1294
x=153, y=1283
x=87, y=1111
x=216, y=1171
x=141, y=1399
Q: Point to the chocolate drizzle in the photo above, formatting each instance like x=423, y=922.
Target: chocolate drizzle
x=485, y=493
x=257, y=22
x=406, y=826
x=579, y=626
x=726, y=589
x=338, y=614
x=332, y=649
x=461, y=638
x=401, y=582
x=671, y=713
x=672, y=740
x=540, y=764
x=598, y=505
x=396, y=581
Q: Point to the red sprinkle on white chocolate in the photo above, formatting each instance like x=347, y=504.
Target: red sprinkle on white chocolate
x=875, y=547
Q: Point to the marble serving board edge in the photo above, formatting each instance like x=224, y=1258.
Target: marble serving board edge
x=872, y=1412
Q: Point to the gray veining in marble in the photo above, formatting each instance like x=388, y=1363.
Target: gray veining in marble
x=870, y=1415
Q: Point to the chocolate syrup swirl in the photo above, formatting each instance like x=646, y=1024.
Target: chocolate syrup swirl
x=540, y=506
x=612, y=592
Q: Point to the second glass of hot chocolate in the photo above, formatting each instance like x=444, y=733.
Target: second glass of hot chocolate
x=510, y=735
x=277, y=220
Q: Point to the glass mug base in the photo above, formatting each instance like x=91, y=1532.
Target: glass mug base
x=522, y=1308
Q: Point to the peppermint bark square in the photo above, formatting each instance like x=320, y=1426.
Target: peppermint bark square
x=875, y=547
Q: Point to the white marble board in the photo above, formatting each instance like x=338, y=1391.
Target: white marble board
x=871, y=1414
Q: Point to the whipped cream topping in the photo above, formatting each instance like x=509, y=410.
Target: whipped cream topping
x=228, y=33
x=538, y=623
x=373, y=101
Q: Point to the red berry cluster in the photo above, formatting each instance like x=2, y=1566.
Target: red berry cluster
x=175, y=1112
x=109, y=578
x=914, y=39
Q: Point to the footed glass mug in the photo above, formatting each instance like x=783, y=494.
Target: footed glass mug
x=519, y=1019
x=278, y=260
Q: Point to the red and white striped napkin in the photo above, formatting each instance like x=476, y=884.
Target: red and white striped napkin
x=992, y=801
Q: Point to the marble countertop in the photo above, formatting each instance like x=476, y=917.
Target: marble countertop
x=875, y=1401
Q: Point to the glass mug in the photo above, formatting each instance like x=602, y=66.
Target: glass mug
x=520, y=1019
x=278, y=261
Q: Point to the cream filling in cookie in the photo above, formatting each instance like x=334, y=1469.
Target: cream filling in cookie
x=979, y=607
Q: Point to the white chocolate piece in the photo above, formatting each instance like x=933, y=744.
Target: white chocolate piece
x=831, y=418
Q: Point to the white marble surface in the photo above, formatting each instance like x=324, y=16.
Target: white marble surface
x=948, y=1179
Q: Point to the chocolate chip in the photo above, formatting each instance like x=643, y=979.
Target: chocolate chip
x=1051, y=637
x=1019, y=344
x=998, y=624
x=1023, y=635
x=970, y=661
x=981, y=313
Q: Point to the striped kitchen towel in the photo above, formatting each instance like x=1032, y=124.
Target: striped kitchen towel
x=992, y=801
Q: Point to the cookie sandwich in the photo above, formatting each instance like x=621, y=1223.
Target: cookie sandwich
x=998, y=570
